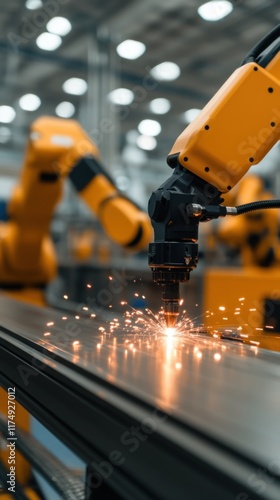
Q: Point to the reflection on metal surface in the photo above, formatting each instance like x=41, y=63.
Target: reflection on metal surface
x=192, y=372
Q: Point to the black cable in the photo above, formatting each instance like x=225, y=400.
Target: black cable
x=262, y=45
x=257, y=205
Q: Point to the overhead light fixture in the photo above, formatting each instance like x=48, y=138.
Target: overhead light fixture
x=146, y=142
x=33, y=4
x=149, y=127
x=191, y=114
x=215, y=10
x=65, y=109
x=5, y=135
x=48, y=41
x=30, y=102
x=75, y=86
x=59, y=26
x=121, y=96
x=7, y=114
x=166, y=71
x=131, y=49
x=160, y=106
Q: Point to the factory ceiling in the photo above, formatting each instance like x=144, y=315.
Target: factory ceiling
x=206, y=53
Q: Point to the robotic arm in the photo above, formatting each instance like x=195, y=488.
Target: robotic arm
x=234, y=131
x=58, y=148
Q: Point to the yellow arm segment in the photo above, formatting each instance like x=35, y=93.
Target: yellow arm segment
x=58, y=148
x=236, y=129
x=255, y=234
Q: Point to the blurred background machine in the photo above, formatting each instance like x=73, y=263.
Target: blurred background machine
x=102, y=64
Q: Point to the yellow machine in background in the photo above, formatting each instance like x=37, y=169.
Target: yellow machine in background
x=248, y=305
x=56, y=149
x=254, y=234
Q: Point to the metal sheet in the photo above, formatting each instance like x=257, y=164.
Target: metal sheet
x=230, y=392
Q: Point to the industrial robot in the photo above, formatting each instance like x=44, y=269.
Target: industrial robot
x=234, y=131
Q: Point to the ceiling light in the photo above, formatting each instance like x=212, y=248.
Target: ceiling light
x=215, y=10
x=131, y=49
x=191, y=114
x=75, y=86
x=65, y=109
x=121, y=96
x=160, y=106
x=33, y=4
x=48, y=41
x=149, y=127
x=166, y=71
x=146, y=142
x=30, y=102
x=59, y=26
x=5, y=135
x=7, y=114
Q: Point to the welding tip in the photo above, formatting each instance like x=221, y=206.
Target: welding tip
x=171, y=312
x=171, y=298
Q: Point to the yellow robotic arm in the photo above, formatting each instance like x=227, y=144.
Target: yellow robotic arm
x=254, y=234
x=58, y=148
x=235, y=130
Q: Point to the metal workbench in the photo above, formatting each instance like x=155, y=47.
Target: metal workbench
x=154, y=417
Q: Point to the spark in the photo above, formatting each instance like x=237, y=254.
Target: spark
x=217, y=356
x=98, y=346
x=88, y=285
x=85, y=308
x=253, y=309
x=47, y=333
x=111, y=278
x=241, y=299
x=222, y=308
x=50, y=323
x=271, y=327
x=170, y=331
x=178, y=366
x=77, y=317
x=65, y=297
x=64, y=317
x=76, y=342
